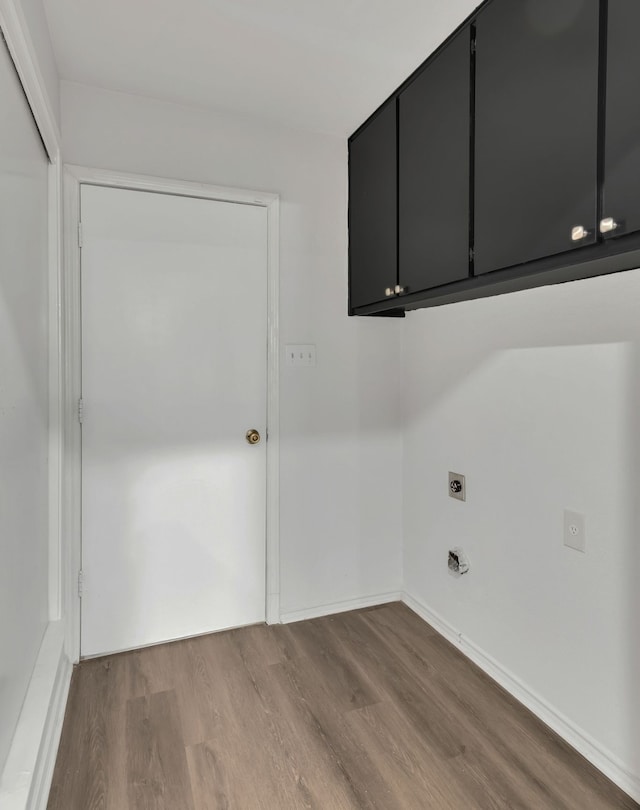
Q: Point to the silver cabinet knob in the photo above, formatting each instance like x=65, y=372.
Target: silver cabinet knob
x=607, y=225
x=399, y=289
x=578, y=233
x=389, y=291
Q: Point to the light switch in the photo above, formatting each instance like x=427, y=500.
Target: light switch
x=300, y=354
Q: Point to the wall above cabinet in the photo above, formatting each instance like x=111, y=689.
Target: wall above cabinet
x=510, y=159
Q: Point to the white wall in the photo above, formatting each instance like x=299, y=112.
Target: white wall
x=535, y=397
x=23, y=400
x=340, y=439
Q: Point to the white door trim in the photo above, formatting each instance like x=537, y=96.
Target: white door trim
x=74, y=177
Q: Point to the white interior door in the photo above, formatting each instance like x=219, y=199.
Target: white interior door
x=174, y=358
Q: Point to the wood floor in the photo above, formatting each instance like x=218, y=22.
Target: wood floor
x=369, y=709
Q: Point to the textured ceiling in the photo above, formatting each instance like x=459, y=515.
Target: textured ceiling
x=321, y=65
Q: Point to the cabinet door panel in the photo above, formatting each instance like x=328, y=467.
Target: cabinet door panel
x=536, y=129
x=622, y=138
x=373, y=225
x=434, y=158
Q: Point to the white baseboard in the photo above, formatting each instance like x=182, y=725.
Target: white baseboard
x=340, y=607
x=27, y=775
x=600, y=757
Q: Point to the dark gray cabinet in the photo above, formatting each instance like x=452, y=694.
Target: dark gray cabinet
x=536, y=130
x=373, y=209
x=434, y=170
x=620, y=213
x=509, y=160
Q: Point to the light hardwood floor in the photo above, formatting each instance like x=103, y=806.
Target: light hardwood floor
x=369, y=709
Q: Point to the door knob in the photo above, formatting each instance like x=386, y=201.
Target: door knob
x=607, y=225
x=578, y=233
x=252, y=436
x=399, y=290
x=388, y=291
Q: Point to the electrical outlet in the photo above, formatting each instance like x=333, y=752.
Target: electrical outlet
x=457, y=487
x=574, y=530
x=300, y=354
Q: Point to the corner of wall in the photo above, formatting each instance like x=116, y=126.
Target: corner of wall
x=604, y=760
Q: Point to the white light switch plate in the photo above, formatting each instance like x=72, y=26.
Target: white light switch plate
x=300, y=354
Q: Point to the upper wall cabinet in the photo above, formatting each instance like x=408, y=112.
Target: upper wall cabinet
x=433, y=159
x=510, y=159
x=621, y=193
x=536, y=129
x=373, y=206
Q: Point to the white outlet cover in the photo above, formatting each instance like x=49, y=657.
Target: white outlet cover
x=575, y=530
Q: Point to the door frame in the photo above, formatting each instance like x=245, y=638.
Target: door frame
x=74, y=178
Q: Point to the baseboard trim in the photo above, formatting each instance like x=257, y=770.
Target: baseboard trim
x=600, y=757
x=340, y=607
x=28, y=772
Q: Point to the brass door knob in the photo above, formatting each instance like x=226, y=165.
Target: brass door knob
x=252, y=436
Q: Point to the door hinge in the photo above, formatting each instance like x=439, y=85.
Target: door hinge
x=80, y=234
x=473, y=46
x=80, y=583
x=472, y=254
x=80, y=410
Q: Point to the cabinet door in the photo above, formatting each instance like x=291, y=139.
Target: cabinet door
x=536, y=129
x=621, y=199
x=434, y=157
x=373, y=221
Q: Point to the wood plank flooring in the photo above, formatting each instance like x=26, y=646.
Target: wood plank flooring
x=369, y=710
